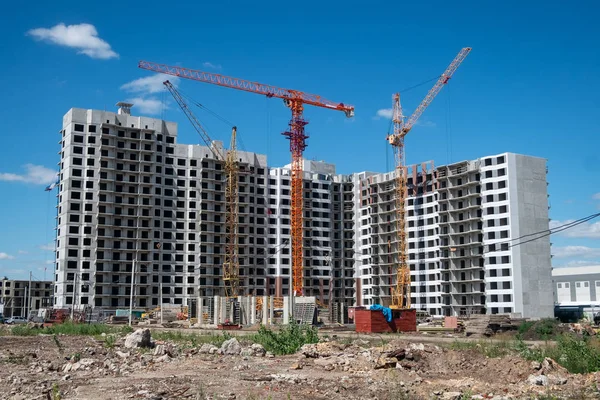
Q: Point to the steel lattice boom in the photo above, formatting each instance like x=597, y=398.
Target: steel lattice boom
x=231, y=267
x=401, y=294
x=190, y=115
x=293, y=99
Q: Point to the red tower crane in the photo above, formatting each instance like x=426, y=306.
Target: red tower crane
x=293, y=99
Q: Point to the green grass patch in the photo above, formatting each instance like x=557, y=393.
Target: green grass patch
x=577, y=355
x=543, y=329
x=287, y=339
x=489, y=349
x=191, y=339
x=69, y=328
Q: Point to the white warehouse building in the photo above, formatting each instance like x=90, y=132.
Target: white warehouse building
x=129, y=192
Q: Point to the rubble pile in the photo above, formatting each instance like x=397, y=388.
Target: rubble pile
x=140, y=367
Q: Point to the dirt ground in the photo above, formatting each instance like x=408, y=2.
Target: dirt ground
x=79, y=367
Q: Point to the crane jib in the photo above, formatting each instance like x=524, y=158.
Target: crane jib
x=249, y=86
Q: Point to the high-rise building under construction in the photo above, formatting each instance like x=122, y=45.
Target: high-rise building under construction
x=131, y=197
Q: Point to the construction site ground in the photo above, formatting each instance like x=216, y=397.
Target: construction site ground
x=345, y=367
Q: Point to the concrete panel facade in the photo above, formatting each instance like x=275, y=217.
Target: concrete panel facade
x=131, y=197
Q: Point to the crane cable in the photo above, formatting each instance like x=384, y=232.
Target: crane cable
x=389, y=130
x=448, y=128
x=216, y=115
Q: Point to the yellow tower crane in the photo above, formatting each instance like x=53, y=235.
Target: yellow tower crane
x=401, y=294
x=231, y=266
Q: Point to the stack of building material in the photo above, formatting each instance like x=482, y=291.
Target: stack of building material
x=478, y=325
x=488, y=325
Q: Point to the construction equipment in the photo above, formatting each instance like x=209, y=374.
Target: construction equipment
x=231, y=266
x=401, y=294
x=293, y=99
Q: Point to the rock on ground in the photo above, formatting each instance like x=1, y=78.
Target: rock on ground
x=256, y=350
x=208, y=348
x=139, y=338
x=231, y=347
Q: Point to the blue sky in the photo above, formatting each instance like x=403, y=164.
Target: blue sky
x=529, y=86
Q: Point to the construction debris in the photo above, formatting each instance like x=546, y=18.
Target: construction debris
x=488, y=325
x=90, y=369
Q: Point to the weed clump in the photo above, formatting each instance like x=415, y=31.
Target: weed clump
x=192, y=339
x=286, y=340
x=543, y=329
x=577, y=355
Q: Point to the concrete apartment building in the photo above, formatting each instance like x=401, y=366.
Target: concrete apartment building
x=129, y=192
x=16, y=300
x=463, y=222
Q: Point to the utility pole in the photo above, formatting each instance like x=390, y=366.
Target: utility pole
x=137, y=237
x=131, y=291
x=74, y=297
x=161, y=301
x=29, y=297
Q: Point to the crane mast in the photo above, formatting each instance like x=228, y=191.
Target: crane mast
x=401, y=293
x=295, y=101
x=231, y=266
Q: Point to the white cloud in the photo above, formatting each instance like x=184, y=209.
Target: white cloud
x=426, y=124
x=34, y=174
x=48, y=247
x=590, y=230
x=385, y=113
x=578, y=263
x=4, y=256
x=22, y=252
x=388, y=113
x=144, y=88
x=211, y=65
x=596, y=196
x=48, y=262
x=149, y=84
x=83, y=37
x=148, y=106
x=575, y=251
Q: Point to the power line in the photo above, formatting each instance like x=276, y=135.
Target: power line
x=559, y=229
x=545, y=233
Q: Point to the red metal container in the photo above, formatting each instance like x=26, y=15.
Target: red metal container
x=368, y=321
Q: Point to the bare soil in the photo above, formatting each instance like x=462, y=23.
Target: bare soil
x=77, y=367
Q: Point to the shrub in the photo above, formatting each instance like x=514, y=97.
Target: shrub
x=525, y=327
x=578, y=356
x=546, y=327
x=288, y=339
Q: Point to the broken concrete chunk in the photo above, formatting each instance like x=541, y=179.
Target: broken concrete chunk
x=231, y=347
x=139, y=338
x=538, y=380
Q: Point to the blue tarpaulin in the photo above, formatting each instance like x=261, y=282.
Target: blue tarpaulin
x=387, y=312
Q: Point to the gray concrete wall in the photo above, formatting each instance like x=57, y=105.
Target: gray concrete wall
x=532, y=266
